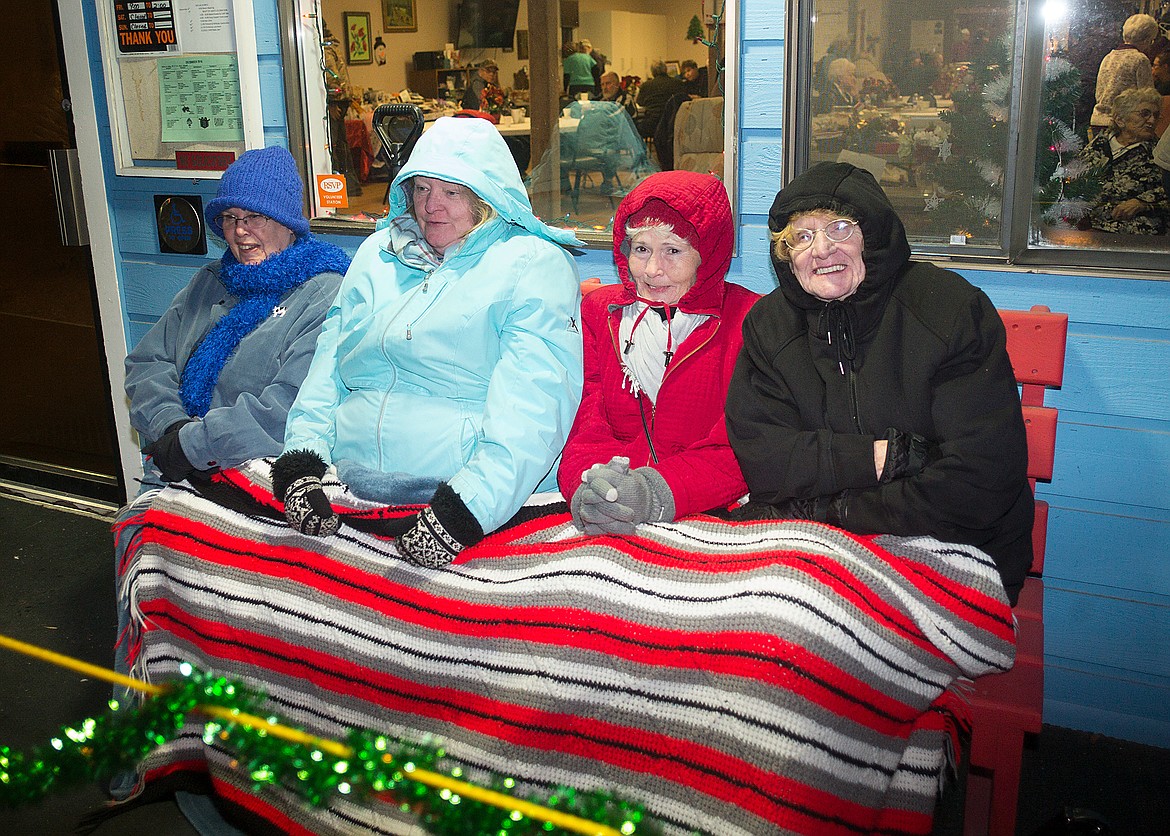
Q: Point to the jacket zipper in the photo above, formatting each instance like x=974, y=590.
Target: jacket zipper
x=852, y=379
x=389, y=359
x=613, y=338
x=671, y=367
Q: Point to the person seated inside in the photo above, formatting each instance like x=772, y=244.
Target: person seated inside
x=606, y=141
x=655, y=92
x=649, y=443
x=1160, y=78
x=448, y=371
x=487, y=73
x=874, y=393
x=843, y=86
x=694, y=79
x=1132, y=199
x=611, y=91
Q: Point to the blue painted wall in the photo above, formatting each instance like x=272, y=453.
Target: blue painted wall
x=1108, y=566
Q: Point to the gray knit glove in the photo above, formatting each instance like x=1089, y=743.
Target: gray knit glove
x=616, y=500
x=444, y=528
x=296, y=481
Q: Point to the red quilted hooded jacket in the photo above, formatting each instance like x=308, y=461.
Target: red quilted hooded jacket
x=686, y=422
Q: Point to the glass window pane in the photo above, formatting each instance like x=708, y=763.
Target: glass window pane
x=1098, y=186
x=920, y=95
x=599, y=148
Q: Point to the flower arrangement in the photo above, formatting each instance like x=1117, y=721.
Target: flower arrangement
x=492, y=100
x=869, y=127
x=878, y=91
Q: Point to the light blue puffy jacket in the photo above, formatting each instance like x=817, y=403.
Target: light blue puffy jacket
x=470, y=372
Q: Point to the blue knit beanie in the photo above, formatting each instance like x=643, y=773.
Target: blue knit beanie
x=263, y=180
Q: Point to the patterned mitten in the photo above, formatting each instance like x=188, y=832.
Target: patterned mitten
x=296, y=481
x=444, y=528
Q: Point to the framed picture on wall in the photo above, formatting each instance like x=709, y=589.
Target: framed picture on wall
x=399, y=16
x=672, y=68
x=357, y=37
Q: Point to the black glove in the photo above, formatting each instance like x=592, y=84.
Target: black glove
x=168, y=456
x=444, y=529
x=906, y=454
x=830, y=509
x=296, y=481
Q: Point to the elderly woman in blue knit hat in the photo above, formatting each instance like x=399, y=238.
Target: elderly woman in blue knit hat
x=211, y=384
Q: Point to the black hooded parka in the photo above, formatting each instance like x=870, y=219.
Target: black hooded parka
x=915, y=348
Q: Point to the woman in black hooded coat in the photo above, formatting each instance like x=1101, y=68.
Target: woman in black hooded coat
x=884, y=400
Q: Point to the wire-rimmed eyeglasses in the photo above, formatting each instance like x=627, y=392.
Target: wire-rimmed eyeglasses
x=838, y=231
x=252, y=223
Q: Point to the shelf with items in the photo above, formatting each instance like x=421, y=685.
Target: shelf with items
x=427, y=83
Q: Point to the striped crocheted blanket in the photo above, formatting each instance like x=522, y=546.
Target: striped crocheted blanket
x=764, y=677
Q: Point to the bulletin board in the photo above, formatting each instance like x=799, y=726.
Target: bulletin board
x=183, y=84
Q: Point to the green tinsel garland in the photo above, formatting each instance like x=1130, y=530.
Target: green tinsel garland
x=100, y=747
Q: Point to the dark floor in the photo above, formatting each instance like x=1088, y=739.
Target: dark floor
x=56, y=573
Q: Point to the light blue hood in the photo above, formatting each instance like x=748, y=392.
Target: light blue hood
x=470, y=151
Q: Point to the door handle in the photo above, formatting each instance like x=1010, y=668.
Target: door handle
x=65, y=171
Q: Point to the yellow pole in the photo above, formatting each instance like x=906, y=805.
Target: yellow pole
x=565, y=821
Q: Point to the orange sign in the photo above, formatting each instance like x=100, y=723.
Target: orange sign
x=331, y=191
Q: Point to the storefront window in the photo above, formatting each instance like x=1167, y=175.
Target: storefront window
x=977, y=122
x=578, y=156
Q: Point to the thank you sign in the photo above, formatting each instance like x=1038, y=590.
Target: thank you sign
x=145, y=25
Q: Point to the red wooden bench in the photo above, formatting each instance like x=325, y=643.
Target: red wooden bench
x=1009, y=706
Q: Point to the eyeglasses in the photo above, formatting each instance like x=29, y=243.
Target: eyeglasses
x=252, y=223
x=837, y=231
x=1144, y=113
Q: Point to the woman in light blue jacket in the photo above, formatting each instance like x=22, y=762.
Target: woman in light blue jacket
x=450, y=362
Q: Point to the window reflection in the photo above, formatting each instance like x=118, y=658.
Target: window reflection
x=599, y=147
x=922, y=101
x=928, y=97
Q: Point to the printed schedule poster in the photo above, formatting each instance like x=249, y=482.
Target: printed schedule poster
x=200, y=99
x=145, y=25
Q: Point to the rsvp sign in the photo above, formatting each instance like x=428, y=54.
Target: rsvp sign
x=144, y=25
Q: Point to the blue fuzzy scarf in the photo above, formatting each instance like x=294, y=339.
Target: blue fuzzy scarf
x=259, y=287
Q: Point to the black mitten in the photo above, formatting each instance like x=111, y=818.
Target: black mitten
x=830, y=508
x=906, y=454
x=168, y=456
x=296, y=481
x=444, y=528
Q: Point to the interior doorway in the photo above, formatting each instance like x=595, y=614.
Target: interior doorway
x=56, y=418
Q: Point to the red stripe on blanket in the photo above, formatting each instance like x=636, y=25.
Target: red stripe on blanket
x=772, y=797
x=746, y=654
x=957, y=598
x=254, y=804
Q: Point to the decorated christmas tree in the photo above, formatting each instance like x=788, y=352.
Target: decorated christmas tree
x=968, y=175
x=1064, y=190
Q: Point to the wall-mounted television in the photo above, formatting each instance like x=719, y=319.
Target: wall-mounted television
x=487, y=23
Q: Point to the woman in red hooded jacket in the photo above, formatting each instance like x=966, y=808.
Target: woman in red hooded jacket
x=649, y=443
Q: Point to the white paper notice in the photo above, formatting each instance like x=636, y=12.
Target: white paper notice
x=205, y=25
